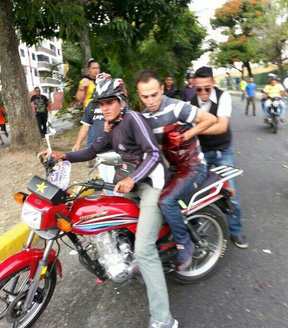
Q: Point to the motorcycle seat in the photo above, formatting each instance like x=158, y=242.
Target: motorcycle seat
x=211, y=178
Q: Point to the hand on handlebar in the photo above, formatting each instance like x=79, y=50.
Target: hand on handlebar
x=56, y=155
x=125, y=185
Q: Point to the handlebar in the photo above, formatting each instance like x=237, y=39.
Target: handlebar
x=99, y=184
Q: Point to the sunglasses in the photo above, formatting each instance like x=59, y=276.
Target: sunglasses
x=207, y=89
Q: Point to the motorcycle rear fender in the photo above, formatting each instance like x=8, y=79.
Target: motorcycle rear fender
x=27, y=258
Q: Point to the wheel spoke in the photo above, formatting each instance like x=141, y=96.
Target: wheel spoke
x=194, y=265
x=204, y=227
x=213, y=247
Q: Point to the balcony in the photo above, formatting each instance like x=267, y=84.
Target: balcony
x=49, y=80
x=47, y=51
x=44, y=65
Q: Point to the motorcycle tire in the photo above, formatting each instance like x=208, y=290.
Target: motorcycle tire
x=275, y=125
x=211, y=225
x=17, y=295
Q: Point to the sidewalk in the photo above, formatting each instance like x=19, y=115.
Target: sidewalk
x=239, y=94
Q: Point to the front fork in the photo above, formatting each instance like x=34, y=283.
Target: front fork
x=39, y=274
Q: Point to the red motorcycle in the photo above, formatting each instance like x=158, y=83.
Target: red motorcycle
x=52, y=211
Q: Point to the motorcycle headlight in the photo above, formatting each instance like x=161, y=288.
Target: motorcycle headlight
x=31, y=216
x=276, y=103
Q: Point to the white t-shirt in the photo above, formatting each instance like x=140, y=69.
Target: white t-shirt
x=285, y=83
x=224, y=107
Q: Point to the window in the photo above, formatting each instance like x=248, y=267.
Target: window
x=22, y=53
x=36, y=72
x=42, y=58
x=59, y=53
x=52, y=47
x=33, y=56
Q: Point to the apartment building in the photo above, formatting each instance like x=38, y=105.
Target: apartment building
x=38, y=62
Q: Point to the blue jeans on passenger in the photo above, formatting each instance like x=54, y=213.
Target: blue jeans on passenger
x=179, y=185
x=217, y=158
x=90, y=137
x=267, y=104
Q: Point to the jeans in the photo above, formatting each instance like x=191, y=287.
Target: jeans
x=252, y=100
x=150, y=266
x=218, y=158
x=180, y=184
x=107, y=173
x=90, y=137
x=42, y=121
x=267, y=104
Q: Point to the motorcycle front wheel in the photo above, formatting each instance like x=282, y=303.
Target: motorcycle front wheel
x=13, y=291
x=275, y=124
x=211, y=226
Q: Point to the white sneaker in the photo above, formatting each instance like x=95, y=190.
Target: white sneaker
x=172, y=323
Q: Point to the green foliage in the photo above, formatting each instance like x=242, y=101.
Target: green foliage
x=36, y=20
x=239, y=19
x=125, y=36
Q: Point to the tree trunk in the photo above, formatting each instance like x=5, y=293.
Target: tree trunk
x=24, y=128
x=84, y=43
x=247, y=65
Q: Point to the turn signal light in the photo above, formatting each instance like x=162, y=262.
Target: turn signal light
x=20, y=197
x=232, y=192
x=64, y=224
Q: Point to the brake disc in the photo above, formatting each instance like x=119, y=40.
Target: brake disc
x=15, y=310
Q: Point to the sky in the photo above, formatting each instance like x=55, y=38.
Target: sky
x=204, y=10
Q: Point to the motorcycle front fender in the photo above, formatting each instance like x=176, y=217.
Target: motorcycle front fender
x=27, y=258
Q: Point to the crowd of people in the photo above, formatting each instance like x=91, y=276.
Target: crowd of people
x=178, y=137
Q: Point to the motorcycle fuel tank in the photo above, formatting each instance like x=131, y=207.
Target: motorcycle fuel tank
x=99, y=213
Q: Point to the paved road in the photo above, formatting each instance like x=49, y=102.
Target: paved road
x=249, y=290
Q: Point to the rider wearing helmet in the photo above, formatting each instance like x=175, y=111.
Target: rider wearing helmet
x=131, y=136
x=274, y=89
x=188, y=91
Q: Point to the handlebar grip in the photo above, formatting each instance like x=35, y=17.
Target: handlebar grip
x=109, y=186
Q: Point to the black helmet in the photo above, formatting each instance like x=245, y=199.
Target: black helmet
x=108, y=89
x=190, y=75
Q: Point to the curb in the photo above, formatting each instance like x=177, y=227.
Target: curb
x=13, y=240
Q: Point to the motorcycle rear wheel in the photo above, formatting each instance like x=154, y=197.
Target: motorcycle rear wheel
x=212, y=227
x=12, y=299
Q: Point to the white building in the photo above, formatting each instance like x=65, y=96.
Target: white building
x=38, y=62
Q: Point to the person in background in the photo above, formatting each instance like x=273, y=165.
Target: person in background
x=42, y=107
x=272, y=90
x=216, y=142
x=188, y=91
x=3, y=129
x=243, y=84
x=169, y=89
x=84, y=93
x=250, y=92
x=285, y=83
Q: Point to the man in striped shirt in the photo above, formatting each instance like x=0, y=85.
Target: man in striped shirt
x=172, y=122
x=272, y=90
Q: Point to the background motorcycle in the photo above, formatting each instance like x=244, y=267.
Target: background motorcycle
x=274, y=113
x=28, y=278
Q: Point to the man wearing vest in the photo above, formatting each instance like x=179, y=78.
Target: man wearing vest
x=216, y=142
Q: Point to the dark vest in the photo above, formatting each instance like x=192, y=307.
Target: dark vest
x=213, y=142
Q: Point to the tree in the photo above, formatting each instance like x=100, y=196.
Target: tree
x=274, y=34
x=15, y=94
x=238, y=19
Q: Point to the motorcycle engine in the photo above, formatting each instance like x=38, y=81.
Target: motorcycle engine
x=115, y=255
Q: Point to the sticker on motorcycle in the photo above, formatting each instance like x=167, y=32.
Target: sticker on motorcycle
x=61, y=175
